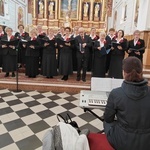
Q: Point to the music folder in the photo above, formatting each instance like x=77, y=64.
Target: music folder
x=62, y=42
x=51, y=42
x=115, y=44
x=137, y=50
x=41, y=36
x=8, y=43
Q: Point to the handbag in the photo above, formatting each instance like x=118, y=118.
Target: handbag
x=68, y=120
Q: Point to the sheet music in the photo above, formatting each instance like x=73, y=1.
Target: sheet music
x=116, y=83
x=105, y=84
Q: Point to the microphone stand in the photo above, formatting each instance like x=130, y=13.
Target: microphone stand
x=17, y=89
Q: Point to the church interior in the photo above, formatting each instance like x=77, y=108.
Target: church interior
x=29, y=106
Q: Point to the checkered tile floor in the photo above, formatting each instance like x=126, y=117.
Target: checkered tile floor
x=26, y=116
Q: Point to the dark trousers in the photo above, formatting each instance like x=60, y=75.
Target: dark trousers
x=82, y=62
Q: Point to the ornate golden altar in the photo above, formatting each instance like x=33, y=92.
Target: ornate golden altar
x=57, y=13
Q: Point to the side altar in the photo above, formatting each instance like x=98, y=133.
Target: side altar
x=57, y=13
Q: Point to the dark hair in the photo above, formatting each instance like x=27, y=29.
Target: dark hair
x=111, y=29
x=132, y=66
x=68, y=28
x=122, y=32
x=20, y=25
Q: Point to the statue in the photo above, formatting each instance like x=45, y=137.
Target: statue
x=51, y=8
x=97, y=8
x=41, y=7
x=69, y=5
x=86, y=8
x=67, y=22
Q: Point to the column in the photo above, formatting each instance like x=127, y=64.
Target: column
x=56, y=9
x=34, y=8
x=45, y=9
x=91, y=10
x=143, y=17
x=80, y=10
x=103, y=10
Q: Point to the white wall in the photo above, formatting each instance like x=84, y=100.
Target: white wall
x=127, y=25
x=11, y=19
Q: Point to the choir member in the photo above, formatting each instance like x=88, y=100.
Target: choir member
x=60, y=34
x=83, y=44
x=136, y=43
x=40, y=34
x=21, y=50
x=74, y=50
x=65, y=60
x=49, y=62
x=93, y=38
x=109, y=38
x=117, y=55
x=32, y=55
x=9, y=53
x=99, y=59
x=1, y=35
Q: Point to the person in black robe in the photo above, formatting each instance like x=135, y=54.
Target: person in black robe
x=22, y=35
x=93, y=38
x=99, y=59
x=83, y=44
x=109, y=38
x=136, y=44
x=74, y=50
x=9, y=53
x=32, y=55
x=49, y=62
x=65, y=60
x=117, y=55
x=40, y=34
x=60, y=34
x=1, y=51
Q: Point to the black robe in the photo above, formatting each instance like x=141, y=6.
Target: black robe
x=32, y=60
x=1, y=51
x=140, y=44
x=21, y=49
x=9, y=56
x=49, y=62
x=90, y=61
x=99, y=61
x=65, y=60
x=117, y=56
x=74, y=57
x=108, y=57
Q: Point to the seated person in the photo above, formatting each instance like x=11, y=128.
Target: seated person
x=130, y=103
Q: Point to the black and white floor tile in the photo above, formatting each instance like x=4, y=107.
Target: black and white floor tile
x=26, y=116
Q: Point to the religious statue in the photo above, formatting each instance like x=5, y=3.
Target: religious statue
x=86, y=8
x=41, y=7
x=97, y=8
x=69, y=5
x=67, y=21
x=51, y=8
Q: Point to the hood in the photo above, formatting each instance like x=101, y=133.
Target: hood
x=135, y=90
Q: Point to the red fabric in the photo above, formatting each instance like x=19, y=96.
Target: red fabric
x=98, y=142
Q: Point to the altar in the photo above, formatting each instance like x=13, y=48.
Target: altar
x=57, y=13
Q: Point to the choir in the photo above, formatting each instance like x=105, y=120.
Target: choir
x=67, y=51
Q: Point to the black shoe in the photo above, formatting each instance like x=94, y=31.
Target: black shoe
x=84, y=80
x=13, y=74
x=78, y=79
x=63, y=78
x=6, y=75
x=51, y=77
x=66, y=78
